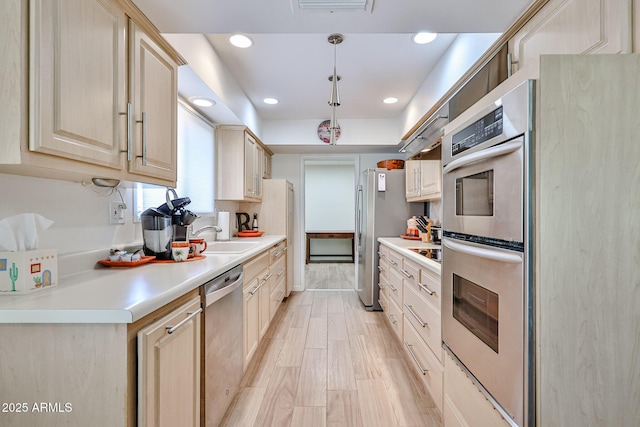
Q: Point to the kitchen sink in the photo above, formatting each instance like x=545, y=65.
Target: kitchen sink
x=230, y=247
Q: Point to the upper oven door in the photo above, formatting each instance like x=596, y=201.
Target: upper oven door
x=483, y=193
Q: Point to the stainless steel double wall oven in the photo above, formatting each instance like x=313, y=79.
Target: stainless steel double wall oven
x=487, y=312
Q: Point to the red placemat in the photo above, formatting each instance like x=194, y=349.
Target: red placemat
x=167, y=261
x=126, y=264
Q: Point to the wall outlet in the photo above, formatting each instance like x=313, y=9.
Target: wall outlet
x=116, y=212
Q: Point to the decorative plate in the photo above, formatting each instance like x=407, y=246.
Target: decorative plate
x=324, y=132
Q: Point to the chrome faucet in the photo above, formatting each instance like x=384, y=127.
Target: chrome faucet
x=205, y=228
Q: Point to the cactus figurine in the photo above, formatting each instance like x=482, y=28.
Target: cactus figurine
x=13, y=275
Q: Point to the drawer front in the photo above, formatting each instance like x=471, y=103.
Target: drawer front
x=277, y=252
x=430, y=371
x=425, y=319
x=279, y=270
x=255, y=266
x=276, y=297
x=410, y=272
x=395, y=287
x=383, y=298
x=383, y=252
x=394, y=316
x=395, y=260
x=430, y=287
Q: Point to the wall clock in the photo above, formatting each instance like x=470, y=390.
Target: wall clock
x=324, y=132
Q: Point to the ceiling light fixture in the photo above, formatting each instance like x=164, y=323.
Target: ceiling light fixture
x=270, y=101
x=202, y=102
x=334, y=100
x=424, y=37
x=390, y=100
x=240, y=40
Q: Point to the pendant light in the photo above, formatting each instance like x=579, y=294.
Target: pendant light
x=334, y=100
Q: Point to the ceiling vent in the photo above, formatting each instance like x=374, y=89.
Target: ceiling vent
x=334, y=5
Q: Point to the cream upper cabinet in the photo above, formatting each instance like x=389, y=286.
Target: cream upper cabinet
x=239, y=164
x=572, y=26
x=78, y=80
x=154, y=88
x=423, y=180
x=169, y=369
x=74, y=92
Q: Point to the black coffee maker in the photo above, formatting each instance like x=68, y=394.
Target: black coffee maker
x=166, y=224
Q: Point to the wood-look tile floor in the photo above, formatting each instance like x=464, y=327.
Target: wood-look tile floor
x=330, y=275
x=325, y=361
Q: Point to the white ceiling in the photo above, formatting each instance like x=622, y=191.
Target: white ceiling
x=291, y=58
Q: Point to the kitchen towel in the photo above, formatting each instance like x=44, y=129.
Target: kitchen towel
x=225, y=224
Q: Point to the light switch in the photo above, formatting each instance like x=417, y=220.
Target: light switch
x=382, y=182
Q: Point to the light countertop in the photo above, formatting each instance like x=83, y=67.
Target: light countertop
x=121, y=295
x=403, y=245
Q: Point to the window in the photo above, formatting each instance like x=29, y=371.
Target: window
x=195, y=168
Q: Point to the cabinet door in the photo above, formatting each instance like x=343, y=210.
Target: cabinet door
x=430, y=179
x=249, y=166
x=251, y=312
x=78, y=80
x=169, y=369
x=154, y=89
x=266, y=166
x=258, y=169
x=412, y=172
x=264, y=295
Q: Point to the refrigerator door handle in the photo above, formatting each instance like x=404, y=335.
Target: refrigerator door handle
x=359, y=216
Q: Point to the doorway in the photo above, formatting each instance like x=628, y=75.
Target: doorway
x=329, y=221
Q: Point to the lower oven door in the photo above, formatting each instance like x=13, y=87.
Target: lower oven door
x=483, y=317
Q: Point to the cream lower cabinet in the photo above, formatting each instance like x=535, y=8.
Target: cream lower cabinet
x=264, y=289
x=423, y=180
x=169, y=369
x=409, y=296
x=75, y=92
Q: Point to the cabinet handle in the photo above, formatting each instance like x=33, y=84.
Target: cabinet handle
x=252, y=292
x=191, y=315
x=380, y=269
x=393, y=288
x=407, y=275
x=277, y=254
x=380, y=254
x=281, y=272
x=390, y=316
x=128, y=114
x=144, y=138
x=427, y=290
x=408, y=307
x=392, y=262
x=267, y=277
x=415, y=359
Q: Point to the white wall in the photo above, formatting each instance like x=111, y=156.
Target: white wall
x=329, y=197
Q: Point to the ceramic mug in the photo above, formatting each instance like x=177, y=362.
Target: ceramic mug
x=180, y=251
x=200, y=245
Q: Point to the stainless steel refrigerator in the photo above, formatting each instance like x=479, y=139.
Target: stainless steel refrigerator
x=382, y=211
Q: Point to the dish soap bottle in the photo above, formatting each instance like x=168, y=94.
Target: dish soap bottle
x=255, y=222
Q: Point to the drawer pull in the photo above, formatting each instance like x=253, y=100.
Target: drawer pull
x=392, y=262
x=408, y=307
x=267, y=277
x=252, y=292
x=277, y=254
x=380, y=254
x=393, y=288
x=427, y=290
x=390, y=316
x=281, y=272
x=380, y=269
x=415, y=359
x=407, y=275
x=191, y=315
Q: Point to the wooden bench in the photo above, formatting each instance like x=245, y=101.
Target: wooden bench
x=329, y=235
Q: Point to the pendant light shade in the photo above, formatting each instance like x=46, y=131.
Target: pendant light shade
x=334, y=99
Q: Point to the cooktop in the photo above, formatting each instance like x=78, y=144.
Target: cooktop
x=432, y=254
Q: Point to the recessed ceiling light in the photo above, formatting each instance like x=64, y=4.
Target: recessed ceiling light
x=270, y=101
x=424, y=38
x=390, y=100
x=202, y=102
x=241, y=41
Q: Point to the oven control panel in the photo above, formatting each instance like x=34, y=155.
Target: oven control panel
x=481, y=130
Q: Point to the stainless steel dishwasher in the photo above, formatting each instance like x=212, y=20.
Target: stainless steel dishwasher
x=222, y=343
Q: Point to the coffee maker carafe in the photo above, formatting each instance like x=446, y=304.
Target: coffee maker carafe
x=157, y=233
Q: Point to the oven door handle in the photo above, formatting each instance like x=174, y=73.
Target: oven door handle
x=499, y=150
x=487, y=253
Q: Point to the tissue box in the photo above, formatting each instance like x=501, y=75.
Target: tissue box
x=27, y=271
